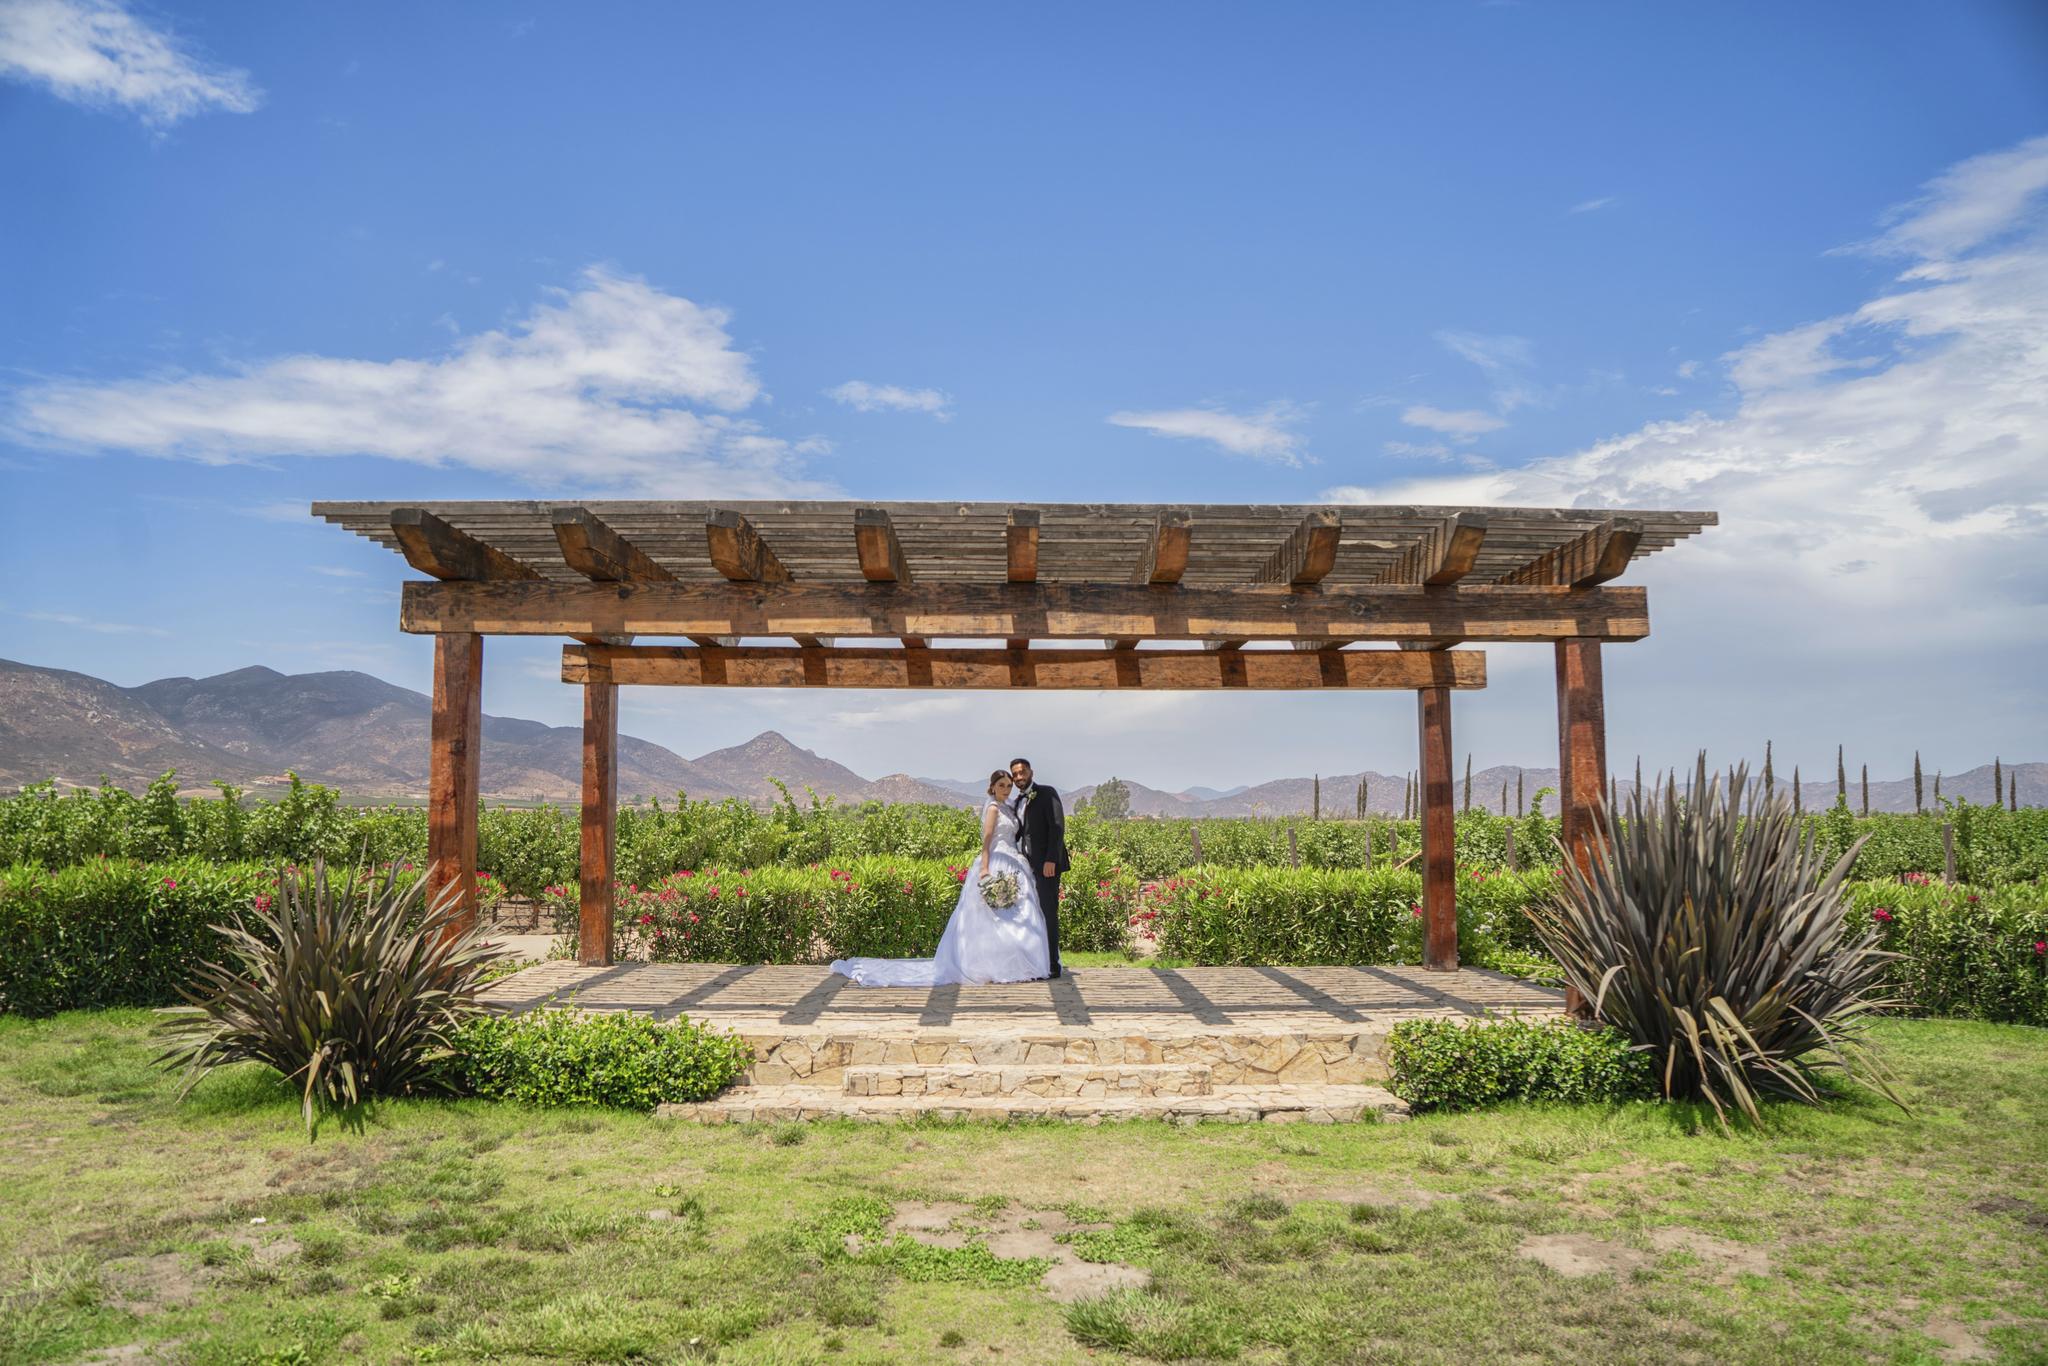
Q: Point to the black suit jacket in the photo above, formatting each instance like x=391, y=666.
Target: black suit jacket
x=1042, y=833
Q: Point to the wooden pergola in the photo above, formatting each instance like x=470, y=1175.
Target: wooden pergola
x=1123, y=596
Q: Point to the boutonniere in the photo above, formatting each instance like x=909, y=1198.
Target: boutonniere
x=1029, y=793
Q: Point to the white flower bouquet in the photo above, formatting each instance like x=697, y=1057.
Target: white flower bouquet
x=999, y=889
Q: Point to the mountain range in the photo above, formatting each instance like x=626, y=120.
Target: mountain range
x=368, y=738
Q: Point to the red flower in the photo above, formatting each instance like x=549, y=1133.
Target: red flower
x=908, y=888
x=2041, y=948
x=693, y=917
x=647, y=920
x=1881, y=914
x=171, y=882
x=1972, y=899
x=1415, y=910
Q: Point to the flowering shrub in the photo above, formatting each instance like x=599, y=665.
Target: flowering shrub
x=1100, y=902
x=110, y=932
x=1971, y=952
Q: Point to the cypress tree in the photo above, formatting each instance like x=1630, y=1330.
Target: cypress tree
x=1503, y=796
x=1468, y=780
x=1520, y=810
x=1997, y=780
x=2012, y=789
x=1639, y=777
x=1918, y=805
x=1316, y=811
x=1841, y=778
x=1770, y=778
x=1866, y=789
x=1797, y=807
x=1937, y=787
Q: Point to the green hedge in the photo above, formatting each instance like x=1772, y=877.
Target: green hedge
x=112, y=932
x=529, y=849
x=1313, y=915
x=563, y=1057
x=868, y=907
x=1446, y=1065
x=1966, y=952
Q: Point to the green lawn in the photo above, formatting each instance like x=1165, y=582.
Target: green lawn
x=468, y=1231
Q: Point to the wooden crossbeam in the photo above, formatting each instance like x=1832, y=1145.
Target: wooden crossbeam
x=881, y=554
x=1022, y=535
x=594, y=550
x=1443, y=555
x=433, y=547
x=1163, y=562
x=1031, y=611
x=1308, y=554
x=738, y=552
x=1039, y=670
x=1593, y=558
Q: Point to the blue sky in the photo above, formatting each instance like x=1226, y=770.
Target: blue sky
x=1784, y=261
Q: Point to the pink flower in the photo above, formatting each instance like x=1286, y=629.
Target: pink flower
x=1415, y=911
x=908, y=888
x=647, y=920
x=1881, y=914
x=2041, y=948
x=171, y=882
x=693, y=917
x=1972, y=899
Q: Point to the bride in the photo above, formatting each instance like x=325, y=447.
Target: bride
x=982, y=943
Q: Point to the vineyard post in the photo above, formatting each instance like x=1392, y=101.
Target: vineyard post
x=1195, y=840
x=1948, y=852
x=1293, y=850
x=1513, y=865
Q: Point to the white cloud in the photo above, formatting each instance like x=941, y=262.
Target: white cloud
x=1688, y=369
x=335, y=571
x=1462, y=424
x=1594, y=205
x=614, y=384
x=95, y=52
x=110, y=628
x=1265, y=435
x=1414, y=450
x=1882, y=482
x=1505, y=361
x=1969, y=204
x=863, y=397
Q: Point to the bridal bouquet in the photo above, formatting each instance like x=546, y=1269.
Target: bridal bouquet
x=999, y=889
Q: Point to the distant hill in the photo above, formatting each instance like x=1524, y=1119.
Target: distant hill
x=369, y=739
x=357, y=733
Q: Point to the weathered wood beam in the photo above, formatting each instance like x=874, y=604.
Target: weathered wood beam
x=1022, y=535
x=1034, y=611
x=1443, y=555
x=1585, y=561
x=597, y=552
x=738, y=552
x=1308, y=554
x=881, y=554
x=1581, y=758
x=598, y=837
x=1165, y=558
x=454, y=766
x=1439, y=826
x=433, y=547
x=1163, y=562
x=1039, y=670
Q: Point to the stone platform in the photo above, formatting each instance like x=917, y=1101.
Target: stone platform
x=1233, y=1044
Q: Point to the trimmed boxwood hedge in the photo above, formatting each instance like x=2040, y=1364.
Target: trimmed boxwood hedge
x=1447, y=1065
x=564, y=1057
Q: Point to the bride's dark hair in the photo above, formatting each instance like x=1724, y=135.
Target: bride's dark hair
x=1001, y=775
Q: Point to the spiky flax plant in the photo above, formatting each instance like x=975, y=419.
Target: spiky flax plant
x=1712, y=932
x=349, y=988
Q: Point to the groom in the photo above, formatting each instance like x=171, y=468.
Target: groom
x=1042, y=836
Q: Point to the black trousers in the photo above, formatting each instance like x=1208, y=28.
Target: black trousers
x=1049, y=902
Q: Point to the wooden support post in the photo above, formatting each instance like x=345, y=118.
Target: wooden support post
x=453, y=774
x=1439, y=834
x=600, y=821
x=1581, y=758
x=1948, y=853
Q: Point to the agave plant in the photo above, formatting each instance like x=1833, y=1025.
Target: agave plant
x=1714, y=934
x=346, y=988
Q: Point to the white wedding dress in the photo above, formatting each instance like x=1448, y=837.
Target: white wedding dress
x=982, y=943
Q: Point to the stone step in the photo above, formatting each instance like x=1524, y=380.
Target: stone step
x=1087, y=1081
x=1235, y=1056
x=1312, y=1104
